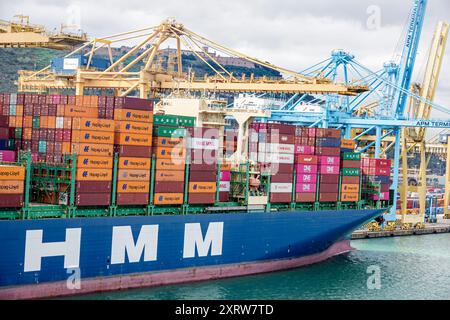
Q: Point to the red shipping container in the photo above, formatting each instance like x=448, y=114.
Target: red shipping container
x=201, y=198
x=351, y=164
x=11, y=200
x=132, y=199
x=93, y=186
x=134, y=151
x=324, y=151
x=201, y=176
x=168, y=187
x=328, y=188
x=280, y=197
x=329, y=179
x=93, y=199
x=328, y=197
x=350, y=180
x=306, y=159
x=282, y=178
x=305, y=197
x=224, y=196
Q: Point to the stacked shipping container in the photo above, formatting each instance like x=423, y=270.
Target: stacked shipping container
x=133, y=142
x=11, y=186
x=306, y=165
x=203, y=148
x=328, y=150
x=94, y=171
x=376, y=171
x=170, y=157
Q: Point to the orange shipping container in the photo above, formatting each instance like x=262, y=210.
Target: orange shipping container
x=133, y=139
x=133, y=115
x=133, y=175
x=67, y=122
x=12, y=172
x=350, y=188
x=168, y=198
x=169, y=152
x=94, y=174
x=43, y=122
x=133, y=187
x=202, y=187
x=134, y=163
x=94, y=162
x=19, y=110
x=66, y=147
x=99, y=137
x=28, y=122
x=51, y=124
x=134, y=127
x=177, y=164
x=225, y=166
x=11, y=187
x=12, y=121
x=348, y=144
x=92, y=149
x=169, y=175
x=60, y=110
x=80, y=111
x=27, y=133
x=93, y=124
x=350, y=197
x=19, y=121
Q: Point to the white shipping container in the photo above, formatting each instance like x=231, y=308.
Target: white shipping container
x=276, y=158
x=203, y=143
x=224, y=186
x=276, y=148
x=281, y=187
x=59, y=123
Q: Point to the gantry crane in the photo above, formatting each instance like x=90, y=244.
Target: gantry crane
x=149, y=80
x=22, y=34
x=412, y=137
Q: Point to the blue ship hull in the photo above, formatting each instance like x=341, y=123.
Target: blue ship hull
x=43, y=257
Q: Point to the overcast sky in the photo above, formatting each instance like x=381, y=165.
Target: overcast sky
x=290, y=33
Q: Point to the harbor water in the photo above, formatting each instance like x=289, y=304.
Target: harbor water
x=400, y=268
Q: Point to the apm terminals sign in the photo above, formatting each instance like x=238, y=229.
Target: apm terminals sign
x=432, y=124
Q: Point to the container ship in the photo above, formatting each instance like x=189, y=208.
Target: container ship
x=102, y=193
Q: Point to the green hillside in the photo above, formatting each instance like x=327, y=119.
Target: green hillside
x=12, y=60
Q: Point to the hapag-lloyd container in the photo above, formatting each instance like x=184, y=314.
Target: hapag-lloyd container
x=134, y=163
x=133, y=175
x=168, y=198
x=203, y=143
x=169, y=175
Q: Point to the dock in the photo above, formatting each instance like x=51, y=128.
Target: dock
x=442, y=226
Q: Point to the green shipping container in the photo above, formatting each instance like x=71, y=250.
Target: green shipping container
x=351, y=172
x=36, y=122
x=12, y=110
x=165, y=119
x=168, y=132
x=18, y=133
x=351, y=156
x=186, y=121
x=42, y=147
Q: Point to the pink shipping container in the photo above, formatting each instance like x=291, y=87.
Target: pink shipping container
x=306, y=178
x=329, y=169
x=326, y=160
x=307, y=168
x=384, y=196
x=225, y=176
x=306, y=150
x=305, y=187
x=7, y=156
